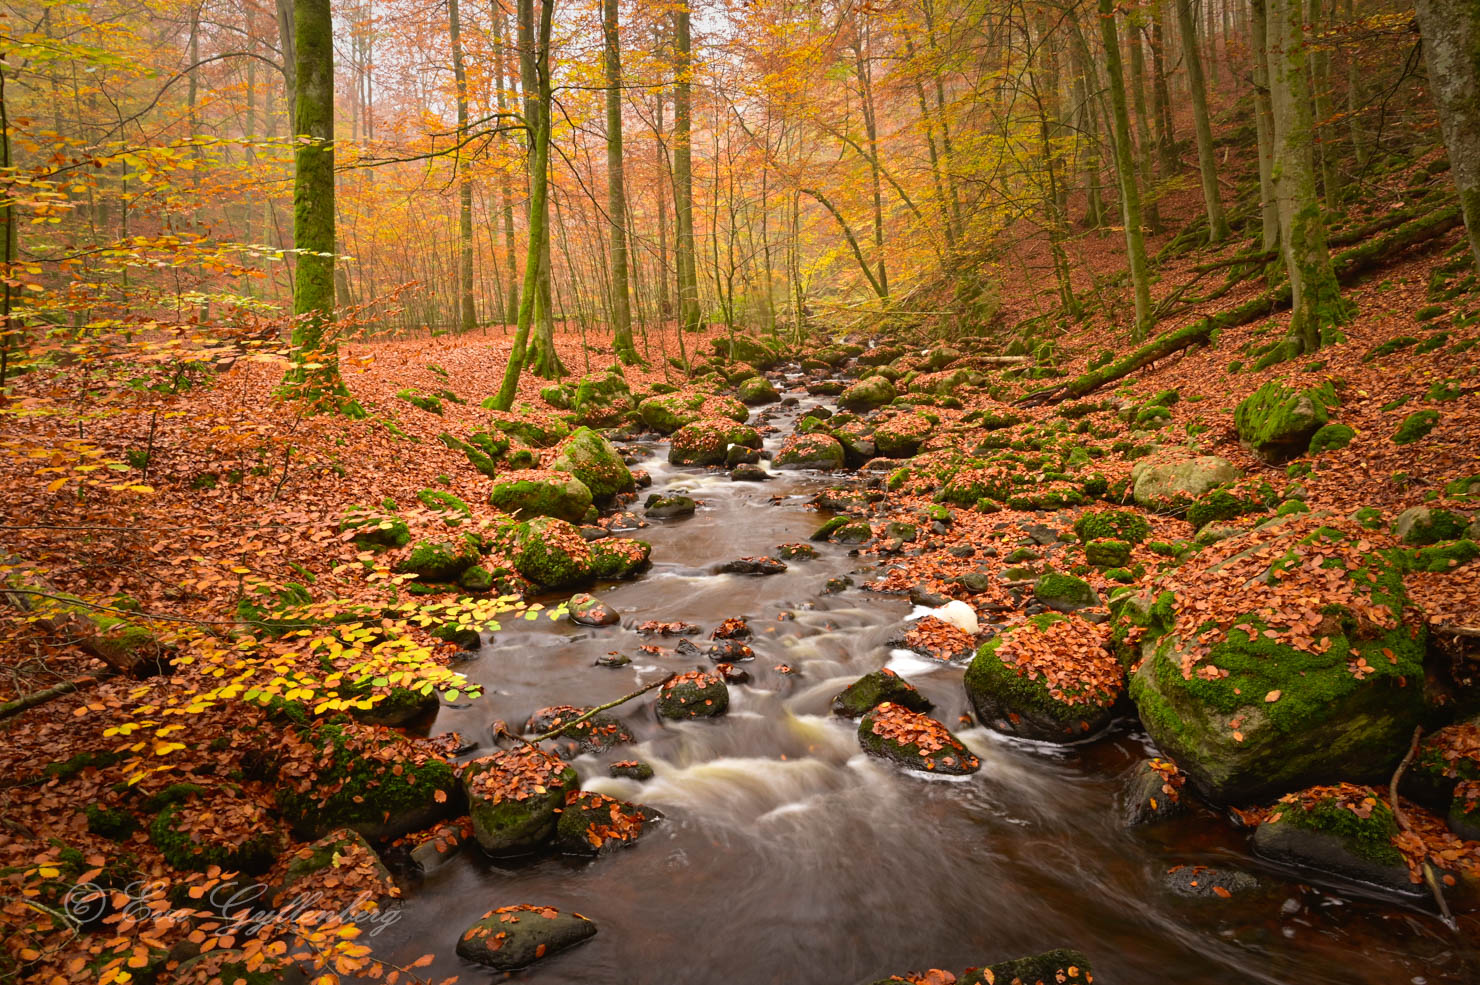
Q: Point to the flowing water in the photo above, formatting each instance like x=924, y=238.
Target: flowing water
x=788, y=856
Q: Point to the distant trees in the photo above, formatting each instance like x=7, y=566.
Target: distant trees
x=1451, y=44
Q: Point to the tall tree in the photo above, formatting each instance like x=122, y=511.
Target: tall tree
x=1317, y=304
x=1269, y=209
x=1207, y=163
x=506, y=192
x=1125, y=167
x=683, y=173
x=315, y=370
x=616, y=194
x=467, y=315
x=1451, y=48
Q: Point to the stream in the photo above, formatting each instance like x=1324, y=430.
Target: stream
x=789, y=856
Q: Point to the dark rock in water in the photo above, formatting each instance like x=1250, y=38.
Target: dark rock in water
x=907, y=532
x=588, y=610
x=732, y=674
x=749, y=473
x=796, y=552
x=1032, y=705
x=873, y=689
x=729, y=651
x=513, y=796
x=669, y=506
x=751, y=566
x=594, y=824
x=613, y=660
x=515, y=936
x=641, y=478
x=915, y=741
x=733, y=628
x=631, y=769
x=1154, y=792
x=836, y=585
x=693, y=695
x=594, y=533
x=687, y=649
x=1060, y=967
x=1201, y=882
x=455, y=743
x=596, y=734
x=920, y=595
x=627, y=520
x=1327, y=832
x=654, y=627
x=741, y=455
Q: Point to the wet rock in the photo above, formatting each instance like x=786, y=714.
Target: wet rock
x=1059, y=967
x=429, y=850
x=513, y=796
x=626, y=520
x=835, y=585
x=595, y=824
x=590, y=533
x=693, y=695
x=1343, y=831
x=1202, y=882
x=663, y=507
x=756, y=391
x=630, y=769
x=596, y=734
x=915, y=741
x=920, y=595
x=654, y=627
x=613, y=660
x=516, y=936
x=1154, y=792
x=1064, y=593
x=857, y=449
x=902, y=435
x=687, y=649
x=1013, y=693
x=740, y=455
x=588, y=610
x=873, y=689
x=733, y=628
x=751, y=566
x=1041, y=535
x=729, y=651
x=796, y=552
x=867, y=394
x=708, y=442
x=668, y=412
x=592, y=459
x=641, y=478
x=809, y=451
x=732, y=674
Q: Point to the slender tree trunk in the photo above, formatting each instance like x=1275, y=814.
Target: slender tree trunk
x=1166, y=138
x=467, y=314
x=942, y=202
x=1316, y=295
x=1085, y=82
x=1207, y=163
x=665, y=183
x=945, y=124
x=683, y=176
x=1451, y=47
x=1143, y=121
x=1327, y=146
x=1125, y=166
x=866, y=93
x=616, y=194
x=1269, y=209
x=506, y=182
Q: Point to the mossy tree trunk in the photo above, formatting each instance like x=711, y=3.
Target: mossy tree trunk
x=616, y=195
x=1125, y=167
x=314, y=373
x=506, y=192
x=1269, y=212
x=1451, y=48
x=689, y=315
x=1316, y=306
x=467, y=315
x=1207, y=164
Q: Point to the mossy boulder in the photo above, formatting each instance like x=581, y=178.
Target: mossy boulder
x=1270, y=695
x=619, y=557
x=595, y=824
x=434, y=561
x=867, y=394
x=915, y=741
x=809, y=451
x=875, y=688
x=1019, y=684
x=693, y=695
x=1169, y=484
x=1420, y=526
x=1277, y=422
x=661, y=506
x=374, y=530
x=1415, y=426
x=708, y=442
x=513, y=937
x=592, y=459
x=542, y=493
x=552, y=553
x=756, y=391
x=344, y=846
x=601, y=400
x=902, y=435
x=597, y=733
x=1126, y=525
x=1108, y=553
x=535, y=430
x=747, y=349
x=219, y=827
x=1064, y=593
x=1330, y=437
x=514, y=797
x=668, y=412
x=360, y=777
x=1343, y=830
x=1058, y=967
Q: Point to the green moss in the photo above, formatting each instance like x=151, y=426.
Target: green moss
x=440, y=561
x=256, y=854
x=1125, y=525
x=1370, y=837
x=1442, y=391
x=71, y=768
x=110, y=822
x=421, y=401
x=1415, y=426
x=1331, y=437
x=445, y=503
x=988, y=674
x=1217, y=506
x=374, y=530
x=1444, y=557
x=1108, y=553
x=1061, y=591
x=1278, y=421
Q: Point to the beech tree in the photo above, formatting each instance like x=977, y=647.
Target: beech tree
x=1451, y=46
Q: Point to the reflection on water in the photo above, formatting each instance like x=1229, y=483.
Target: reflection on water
x=787, y=856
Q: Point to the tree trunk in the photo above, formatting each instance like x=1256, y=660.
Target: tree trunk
x=1269, y=211
x=1316, y=296
x=1207, y=164
x=866, y=94
x=467, y=315
x=1143, y=122
x=665, y=184
x=1451, y=48
x=1320, y=79
x=1166, y=138
x=506, y=190
x=683, y=176
x=1125, y=167
x=616, y=195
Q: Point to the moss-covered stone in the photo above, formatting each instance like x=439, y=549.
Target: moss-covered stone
x=1330, y=437
x=1126, y=525
x=902, y=435
x=1064, y=593
x=756, y=391
x=592, y=459
x=914, y=740
x=661, y=506
x=1019, y=701
x=421, y=401
x=434, y=561
x=595, y=824
x=1058, y=967
x=693, y=695
x=809, y=451
x=1277, y=422
x=708, y=442
x=739, y=347
x=454, y=511
x=514, y=796
x=545, y=493
x=1444, y=557
x=328, y=852
x=1108, y=553
x=875, y=688
x=552, y=553
x=535, y=430
x=513, y=937
x=221, y=828
x=1420, y=526
x=867, y=394
x=374, y=529
x=1338, y=831
x=1415, y=426
x=668, y=412
x=1165, y=485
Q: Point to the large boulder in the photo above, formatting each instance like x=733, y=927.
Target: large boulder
x=592, y=459
x=914, y=740
x=1160, y=485
x=1277, y=422
x=513, y=798
x=1278, y=658
x=595, y=824
x=512, y=937
x=902, y=435
x=867, y=394
x=809, y=451
x=708, y=442
x=740, y=347
x=1051, y=678
x=693, y=695
x=757, y=390
x=551, y=552
x=668, y=412
x=439, y=560
x=539, y=492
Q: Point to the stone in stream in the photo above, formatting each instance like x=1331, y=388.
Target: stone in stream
x=796, y=552
x=662, y=507
x=866, y=394
x=751, y=566
x=630, y=769
x=1345, y=830
x=1154, y=792
x=873, y=689
x=596, y=734
x=835, y=585
x=809, y=451
x=729, y=651
x=915, y=741
x=693, y=695
x=757, y=390
x=513, y=796
x=741, y=455
x=592, y=459
x=732, y=674
x=533, y=493
x=513, y=937
x=1060, y=967
x=594, y=824
x=708, y=442
x=685, y=648
x=1202, y=882
x=749, y=473
x=733, y=628
x=613, y=660
x=588, y=610
x=844, y=530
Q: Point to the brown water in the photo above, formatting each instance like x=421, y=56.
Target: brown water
x=787, y=856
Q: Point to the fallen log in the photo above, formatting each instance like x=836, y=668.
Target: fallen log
x=1348, y=264
x=127, y=648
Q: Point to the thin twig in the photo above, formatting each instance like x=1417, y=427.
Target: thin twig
x=567, y=726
